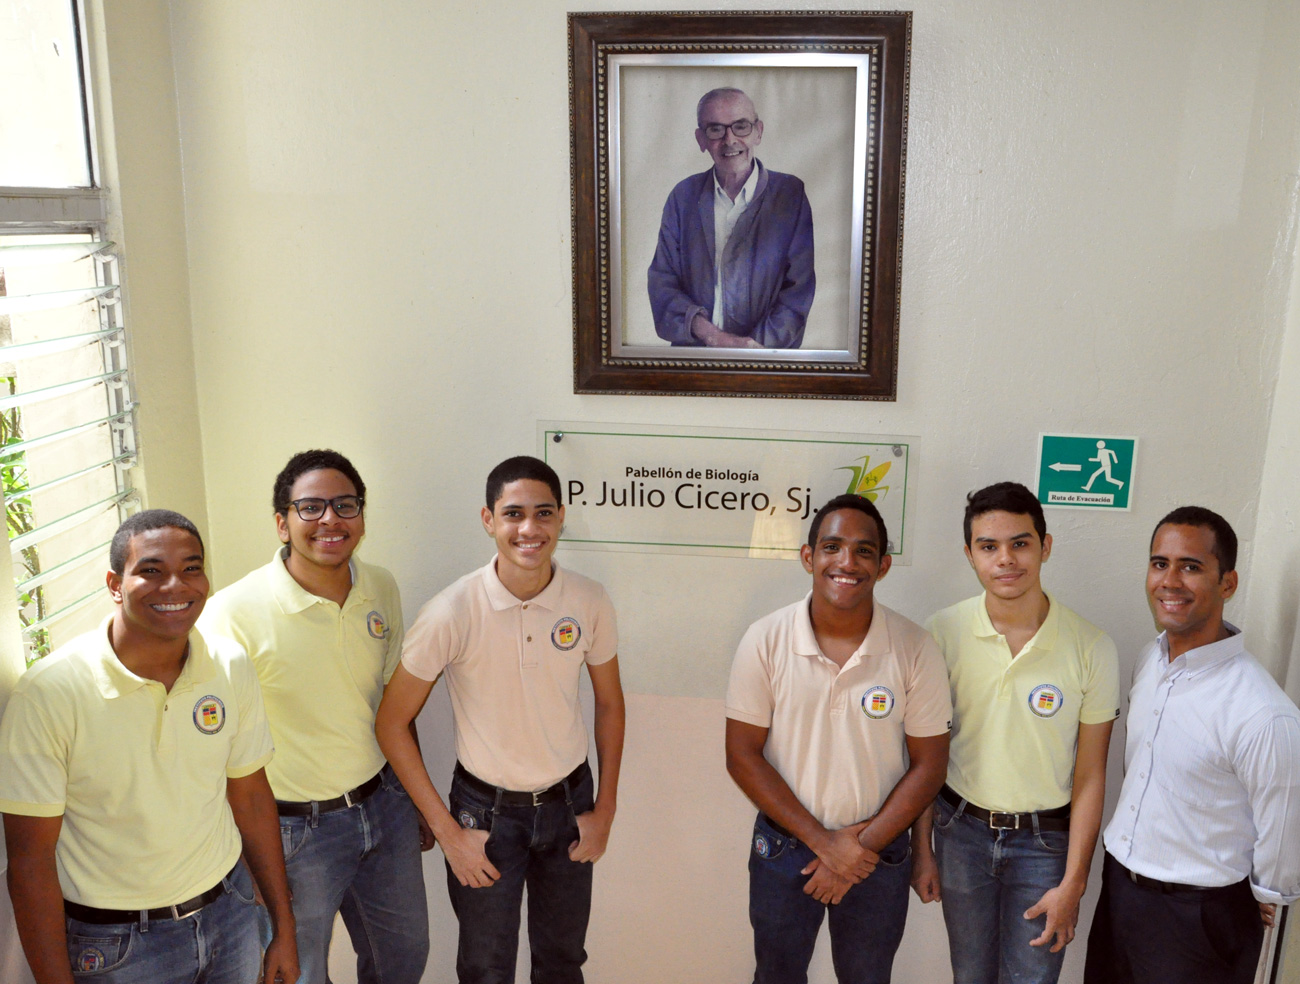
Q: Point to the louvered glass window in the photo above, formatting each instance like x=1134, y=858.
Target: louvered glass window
x=67, y=430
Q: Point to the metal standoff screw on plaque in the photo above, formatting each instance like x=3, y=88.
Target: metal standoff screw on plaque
x=898, y=450
x=557, y=437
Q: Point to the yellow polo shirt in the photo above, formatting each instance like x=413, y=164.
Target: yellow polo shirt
x=137, y=773
x=1016, y=721
x=322, y=669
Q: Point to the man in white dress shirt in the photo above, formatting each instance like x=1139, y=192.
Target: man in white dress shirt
x=1203, y=843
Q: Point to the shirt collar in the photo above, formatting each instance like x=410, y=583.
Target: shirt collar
x=292, y=597
x=874, y=643
x=114, y=680
x=501, y=598
x=1203, y=658
x=747, y=190
x=1044, y=638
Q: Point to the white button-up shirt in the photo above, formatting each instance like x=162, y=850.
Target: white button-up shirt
x=726, y=213
x=1211, y=789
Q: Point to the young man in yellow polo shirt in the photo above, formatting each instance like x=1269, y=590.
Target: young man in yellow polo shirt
x=324, y=631
x=511, y=640
x=1035, y=693
x=131, y=779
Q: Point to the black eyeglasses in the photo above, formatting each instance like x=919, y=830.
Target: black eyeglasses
x=716, y=131
x=344, y=506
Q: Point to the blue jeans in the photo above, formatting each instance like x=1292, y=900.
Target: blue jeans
x=988, y=879
x=219, y=944
x=362, y=861
x=529, y=845
x=866, y=926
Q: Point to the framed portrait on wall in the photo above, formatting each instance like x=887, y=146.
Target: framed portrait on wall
x=738, y=202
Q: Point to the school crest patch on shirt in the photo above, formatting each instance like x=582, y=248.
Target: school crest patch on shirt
x=566, y=633
x=1046, y=700
x=877, y=703
x=209, y=715
x=377, y=626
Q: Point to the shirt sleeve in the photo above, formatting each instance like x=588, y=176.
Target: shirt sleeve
x=928, y=711
x=251, y=748
x=33, y=760
x=1101, y=683
x=396, y=632
x=749, y=691
x=604, y=632
x=1269, y=767
x=434, y=640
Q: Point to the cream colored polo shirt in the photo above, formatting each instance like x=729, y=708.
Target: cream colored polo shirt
x=1016, y=721
x=838, y=737
x=512, y=670
x=322, y=670
x=138, y=774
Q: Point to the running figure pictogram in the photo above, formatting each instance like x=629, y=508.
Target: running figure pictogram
x=1105, y=458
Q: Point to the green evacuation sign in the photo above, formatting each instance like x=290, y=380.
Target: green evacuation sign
x=1088, y=472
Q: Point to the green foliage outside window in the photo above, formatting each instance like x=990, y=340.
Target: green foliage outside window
x=20, y=519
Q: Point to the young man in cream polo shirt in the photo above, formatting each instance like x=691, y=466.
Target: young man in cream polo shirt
x=511, y=639
x=324, y=631
x=1035, y=693
x=131, y=779
x=837, y=730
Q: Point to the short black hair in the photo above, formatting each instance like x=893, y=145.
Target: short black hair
x=1225, y=540
x=144, y=522
x=1011, y=497
x=862, y=505
x=515, y=469
x=309, y=461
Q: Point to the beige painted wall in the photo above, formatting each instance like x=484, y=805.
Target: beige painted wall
x=1100, y=237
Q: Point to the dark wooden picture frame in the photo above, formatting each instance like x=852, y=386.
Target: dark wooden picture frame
x=865, y=366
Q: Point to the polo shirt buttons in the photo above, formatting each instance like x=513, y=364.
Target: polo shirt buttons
x=530, y=638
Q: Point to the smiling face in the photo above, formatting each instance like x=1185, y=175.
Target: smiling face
x=327, y=542
x=525, y=521
x=162, y=588
x=1006, y=554
x=733, y=156
x=1185, y=589
x=847, y=560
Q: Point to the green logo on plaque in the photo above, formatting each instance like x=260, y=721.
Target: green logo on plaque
x=866, y=480
x=1088, y=472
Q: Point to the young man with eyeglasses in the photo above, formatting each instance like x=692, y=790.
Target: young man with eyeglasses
x=734, y=264
x=324, y=631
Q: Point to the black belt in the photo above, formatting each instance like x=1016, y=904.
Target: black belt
x=1057, y=818
x=1156, y=885
x=105, y=917
x=510, y=797
x=351, y=798
x=776, y=826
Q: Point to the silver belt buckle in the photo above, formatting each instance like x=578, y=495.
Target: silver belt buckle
x=537, y=797
x=1014, y=817
x=347, y=798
